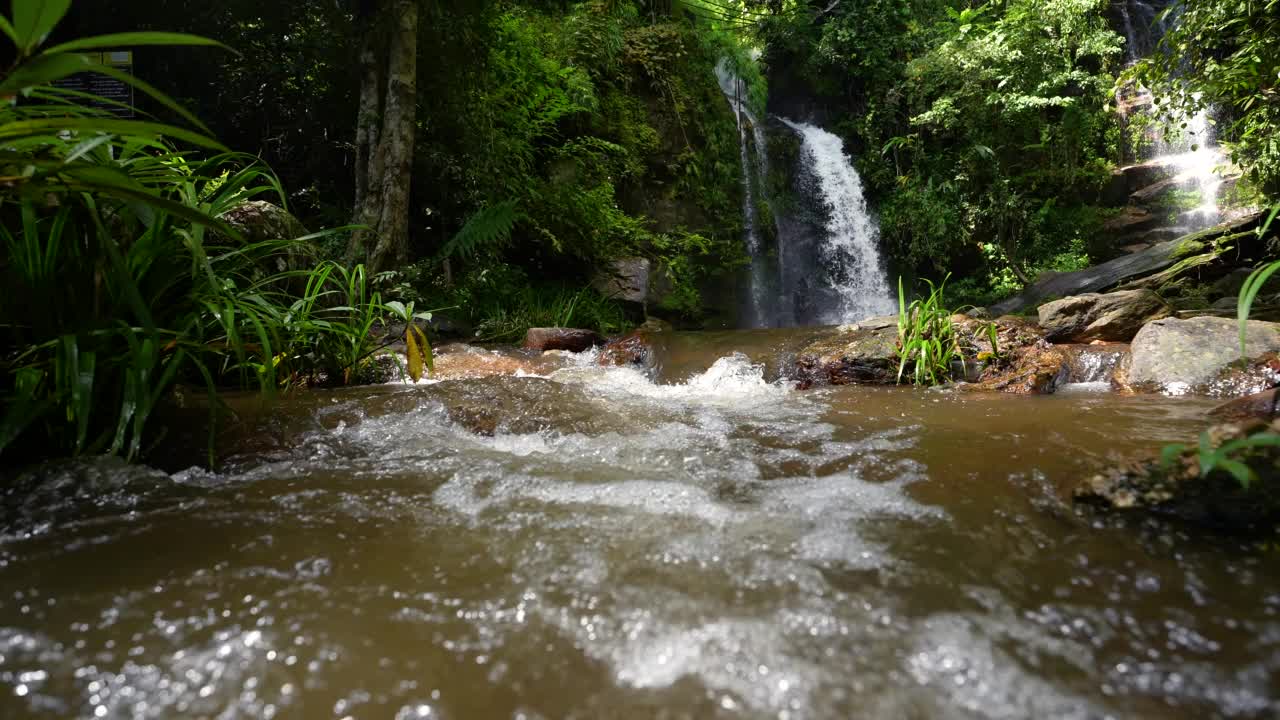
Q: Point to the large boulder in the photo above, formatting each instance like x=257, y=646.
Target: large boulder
x=259, y=221
x=557, y=338
x=1116, y=316
x=626, y=280
x=1198, y=355
x=1180, y=489
x=864, y=353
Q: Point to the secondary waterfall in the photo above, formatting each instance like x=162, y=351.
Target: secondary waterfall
x=1191, y=155
x=850, y=271
x=759, y=311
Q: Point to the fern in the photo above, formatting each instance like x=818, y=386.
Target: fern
x=489, y=227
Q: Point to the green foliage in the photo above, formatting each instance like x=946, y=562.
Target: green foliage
x=1253, y=285
x=977, y=128
x=487, y=229
x=121, y=279
x=1225, y=457
x=927, y=339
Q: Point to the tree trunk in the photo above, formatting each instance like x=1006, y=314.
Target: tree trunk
x=393, y=164
x=368, y=123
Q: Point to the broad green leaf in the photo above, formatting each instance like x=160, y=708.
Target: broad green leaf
x=34, y=19
x=128, y=39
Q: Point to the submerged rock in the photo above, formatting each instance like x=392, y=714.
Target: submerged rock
x=1116, y=316
x=1195, y=356
x=453, y=362
x=557, y=338
x=863, y=353
x=633, y=349
x=1179, y=489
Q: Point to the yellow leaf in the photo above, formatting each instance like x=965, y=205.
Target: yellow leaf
x=424, y=349
x=415, y=358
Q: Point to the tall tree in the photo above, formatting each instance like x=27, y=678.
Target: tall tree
x=385, y=134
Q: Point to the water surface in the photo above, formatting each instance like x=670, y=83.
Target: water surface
x=596, y=544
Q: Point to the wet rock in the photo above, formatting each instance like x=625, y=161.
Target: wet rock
x=1196, y=355
x=633, y=350
x=626, y=279
x=1259, y=406
x=454, y=362
x=1178, y=489
x=259, y=221
x=571, y=339
x=1036, y=369
x=1116, y=316
x=1136, y=265
x=1095, y=362
x=863, y=353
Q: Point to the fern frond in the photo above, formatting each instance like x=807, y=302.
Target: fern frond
x=488, y=227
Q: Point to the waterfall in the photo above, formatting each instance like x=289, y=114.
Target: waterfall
x=758, y=311
x=850, y=269
x=1192, y=154
x=825, y=275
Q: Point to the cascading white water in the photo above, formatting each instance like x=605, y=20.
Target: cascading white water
x=758, y=312
x=850, y=252
x=1192, y=153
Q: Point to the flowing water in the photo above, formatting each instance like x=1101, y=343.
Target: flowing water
x=603, y=542
x=850, y=266
x=761, y=307
x=1191, y=151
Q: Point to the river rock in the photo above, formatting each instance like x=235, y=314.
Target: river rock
x=633, y=349
x=1259, y=406
x=1191, y=356
x=1035, y=369
x=571, y=339
x=626, y=279
x=1116, y=316
x=259, y=221
x=863, y=353
x=1178, y=489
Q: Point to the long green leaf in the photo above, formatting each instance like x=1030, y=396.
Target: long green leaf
x=7, y=28
x=149, y=89
x=34, y=19
x=42, y=70
x=19, y=130
x=117, y=40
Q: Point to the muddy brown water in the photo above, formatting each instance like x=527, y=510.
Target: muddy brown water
x=711, y=544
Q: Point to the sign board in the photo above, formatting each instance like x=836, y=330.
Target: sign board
x=116, y=95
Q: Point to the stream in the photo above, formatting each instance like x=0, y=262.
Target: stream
x=697, y=541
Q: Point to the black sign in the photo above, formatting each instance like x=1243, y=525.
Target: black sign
x=116, y=95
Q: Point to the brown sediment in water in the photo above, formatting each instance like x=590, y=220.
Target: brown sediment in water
x=712, y=544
